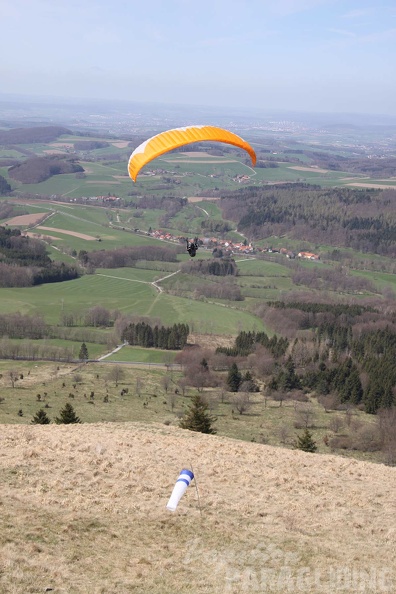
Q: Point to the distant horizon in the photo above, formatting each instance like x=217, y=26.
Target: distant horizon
x=229, y=111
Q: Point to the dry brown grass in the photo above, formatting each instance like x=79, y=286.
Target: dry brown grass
x=83, y=511
x=65, y=232
x=211, y=341
x=29, y=219
x=40, y=236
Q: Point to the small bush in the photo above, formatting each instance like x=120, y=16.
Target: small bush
x=367, y=439
x=340, y=442
x=336, y=423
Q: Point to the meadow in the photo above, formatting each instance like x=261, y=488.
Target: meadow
x=135, y=296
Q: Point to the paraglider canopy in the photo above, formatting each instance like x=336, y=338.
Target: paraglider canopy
x=171, y=139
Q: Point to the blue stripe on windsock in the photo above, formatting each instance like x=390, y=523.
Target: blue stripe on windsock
x=183, y=480
x=188, y=472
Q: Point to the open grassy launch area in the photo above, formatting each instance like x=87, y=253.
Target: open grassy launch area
x=83, y=511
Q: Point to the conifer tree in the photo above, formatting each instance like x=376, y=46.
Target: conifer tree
x=234, y=378
x=83, y=354
x=198, y=418
x=67, y=415
x=306, y=443
x=204, y=365
x=352, y=389
x=40, y=418
x=373, y=398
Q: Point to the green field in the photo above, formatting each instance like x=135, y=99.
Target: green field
x=132, y=297
x=6, y=153
x=381, y=280
x=136, y=354
x=95, y=350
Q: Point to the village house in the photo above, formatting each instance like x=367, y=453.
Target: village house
x=308, y=256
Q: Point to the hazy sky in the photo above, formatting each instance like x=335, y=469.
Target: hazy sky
x=306, y=55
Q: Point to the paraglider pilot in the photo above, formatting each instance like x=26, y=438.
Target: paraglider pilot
x=192, y=247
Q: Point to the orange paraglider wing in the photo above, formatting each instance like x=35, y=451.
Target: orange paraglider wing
x=171, y=139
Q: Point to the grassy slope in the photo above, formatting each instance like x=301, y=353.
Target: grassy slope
x=149, y=399
x=83, y=511
x=127, y=296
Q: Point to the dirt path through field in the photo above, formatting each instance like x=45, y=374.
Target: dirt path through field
x=65, y=232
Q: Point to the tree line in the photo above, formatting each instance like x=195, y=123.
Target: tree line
x=25, y=262
x=246, y=342
x=127, y=256
x=39, y=134
x=34, y=350
x=90, y=145
x=336, y=309
x=8, y=210
x=5, y=188
x=142, y=334
x=28, y=276
x=215, y=266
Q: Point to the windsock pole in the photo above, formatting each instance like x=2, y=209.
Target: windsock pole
x=185, y=478
x=196, y=489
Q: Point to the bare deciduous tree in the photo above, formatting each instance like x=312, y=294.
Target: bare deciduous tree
x=387, y=428
x=284, y=433
x=305, y=416
x=336, y=423
x=116, y=374
x=172, y=400
x=138, y=386
x=279, y=396
x=329, y=401
x=14, y=376
x=242, y=402
x=165, y=382
x=182, y=386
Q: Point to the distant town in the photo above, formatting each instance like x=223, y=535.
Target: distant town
x=231, y=248
x=227, y=246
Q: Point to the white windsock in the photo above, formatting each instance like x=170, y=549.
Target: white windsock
x=185, y=478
